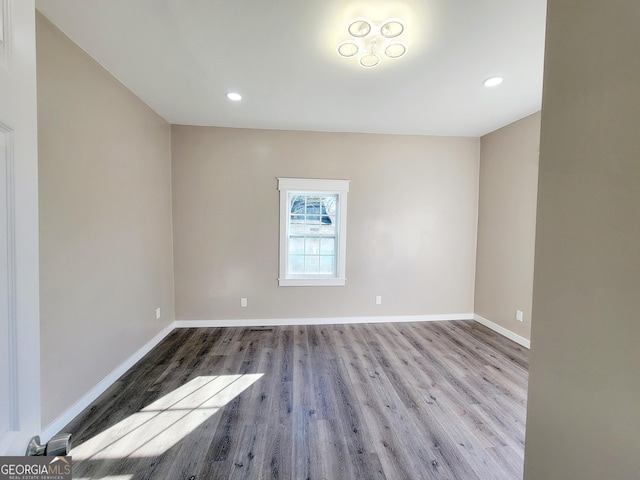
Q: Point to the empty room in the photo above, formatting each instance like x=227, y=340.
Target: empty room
x=320, y=240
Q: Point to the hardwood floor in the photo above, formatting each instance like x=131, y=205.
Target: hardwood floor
x=440, y=400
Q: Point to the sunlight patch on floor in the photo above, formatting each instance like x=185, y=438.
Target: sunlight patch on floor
x=159, y=426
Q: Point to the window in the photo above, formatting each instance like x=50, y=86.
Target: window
x=313, y=234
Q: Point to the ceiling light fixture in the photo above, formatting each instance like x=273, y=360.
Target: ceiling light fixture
x=493, y=81
x=371, y=41
x=234, y=96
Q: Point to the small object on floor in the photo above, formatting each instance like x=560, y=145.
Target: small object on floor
x=58, y=446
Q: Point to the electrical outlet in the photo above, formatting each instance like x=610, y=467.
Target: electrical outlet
x=158, y=313
x=243, y=302
x=519, y=315
x=378, y=299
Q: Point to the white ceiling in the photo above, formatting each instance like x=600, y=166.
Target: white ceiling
x=181, y=56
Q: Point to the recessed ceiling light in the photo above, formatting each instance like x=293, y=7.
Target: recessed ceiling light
x=493, y=81
x=234, y=96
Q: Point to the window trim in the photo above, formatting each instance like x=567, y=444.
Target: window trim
x=287, y=186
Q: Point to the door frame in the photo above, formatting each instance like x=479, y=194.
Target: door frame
x=20, y=234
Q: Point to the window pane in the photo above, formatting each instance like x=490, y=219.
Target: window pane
x=312, y=246
x=297, y=205
x=331, y=204
x=296, y=245
x=312, y=219
x=298, y=229
x=296, y=264
x=328, y=264
x=328, y=246
x=313, y=205
x=311, y=264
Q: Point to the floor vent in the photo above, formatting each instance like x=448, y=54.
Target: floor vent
x=261, y=330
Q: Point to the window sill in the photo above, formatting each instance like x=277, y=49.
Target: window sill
x=312, y=282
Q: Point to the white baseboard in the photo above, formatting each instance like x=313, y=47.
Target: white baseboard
x=502, y=331
x=60, y=422
x=264, y=322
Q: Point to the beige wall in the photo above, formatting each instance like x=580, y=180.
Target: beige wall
x=411, y=223
x=105, y=221
x=584, y=390
x=507, y=224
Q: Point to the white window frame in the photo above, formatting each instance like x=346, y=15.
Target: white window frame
x=308, y=186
